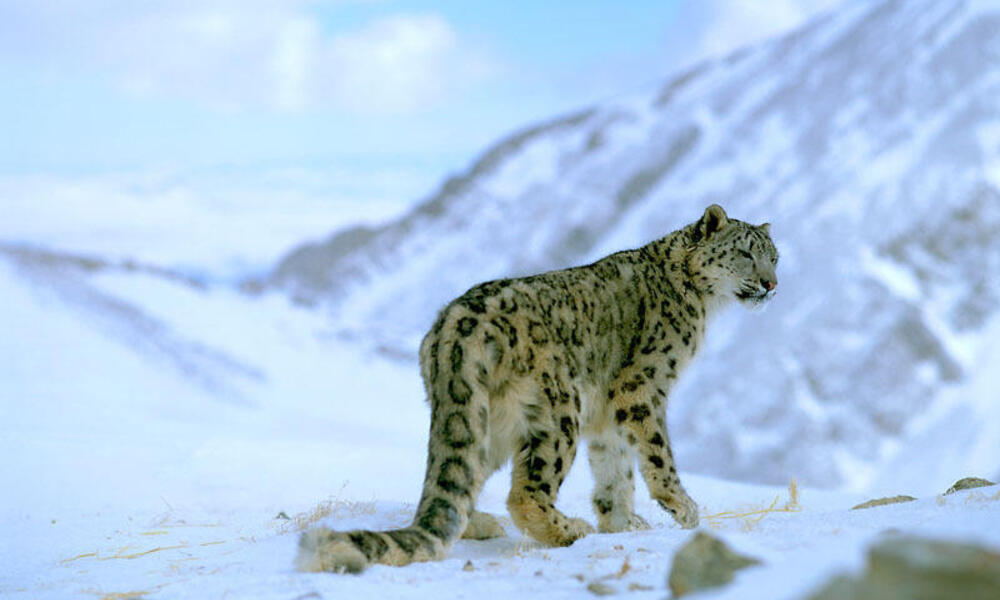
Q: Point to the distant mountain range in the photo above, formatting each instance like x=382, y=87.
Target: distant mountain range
x=870, y=139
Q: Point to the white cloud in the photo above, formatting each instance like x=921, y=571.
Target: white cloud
x=296, y=51
x=252, y=54
x=398, y=64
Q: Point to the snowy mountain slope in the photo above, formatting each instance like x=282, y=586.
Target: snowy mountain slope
x=69, y=279
x=870, y=139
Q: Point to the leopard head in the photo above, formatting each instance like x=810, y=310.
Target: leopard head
x=732, y=259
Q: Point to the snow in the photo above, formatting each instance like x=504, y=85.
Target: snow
x=105, y=441
x=898, y=280
x=126, y=476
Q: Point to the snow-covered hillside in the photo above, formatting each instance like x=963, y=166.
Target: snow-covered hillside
x=870, y=139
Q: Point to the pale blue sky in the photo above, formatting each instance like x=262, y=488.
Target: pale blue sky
x=93, y=86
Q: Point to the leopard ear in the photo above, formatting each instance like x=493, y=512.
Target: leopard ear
x=713, y=220
x=766, y=228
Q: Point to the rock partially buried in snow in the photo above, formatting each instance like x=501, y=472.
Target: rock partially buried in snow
x=705, y=562
x=913, y=568
x=967, y=483
x=601, y=589
x=884, y=501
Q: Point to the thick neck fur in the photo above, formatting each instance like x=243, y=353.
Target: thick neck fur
x=679, y=255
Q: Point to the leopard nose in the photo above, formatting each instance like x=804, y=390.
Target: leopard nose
x=769, y=284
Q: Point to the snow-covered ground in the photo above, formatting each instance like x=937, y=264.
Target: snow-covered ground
x=155, y=434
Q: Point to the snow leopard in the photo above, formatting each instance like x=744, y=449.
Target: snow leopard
x=525, y=370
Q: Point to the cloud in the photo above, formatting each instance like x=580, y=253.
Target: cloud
x=293, y=63
x=400, y=63
x=252, y=54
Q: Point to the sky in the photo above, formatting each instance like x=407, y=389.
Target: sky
x=365, y=89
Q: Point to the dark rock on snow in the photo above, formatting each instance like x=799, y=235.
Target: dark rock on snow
x=911, y=568
x=967, y=483
x=884, y=501
x=705, y=562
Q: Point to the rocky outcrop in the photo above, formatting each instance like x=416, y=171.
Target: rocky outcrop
x=884, y=501
x=910, y=568
x=968, y=483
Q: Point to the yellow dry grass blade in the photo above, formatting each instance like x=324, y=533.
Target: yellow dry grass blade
x=78, y=557
x=124, y=595
x=332, y=507
x=121, y=555
x=754, y=516
x=626, y=567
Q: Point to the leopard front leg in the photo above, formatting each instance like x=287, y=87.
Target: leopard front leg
x=611, y=462
x=640, y=413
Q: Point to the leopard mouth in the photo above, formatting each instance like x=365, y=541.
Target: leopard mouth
x=754, y=296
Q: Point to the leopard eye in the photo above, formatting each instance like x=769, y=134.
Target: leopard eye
x=746, y=254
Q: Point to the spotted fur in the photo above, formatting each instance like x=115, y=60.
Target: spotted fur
x=524, y=369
